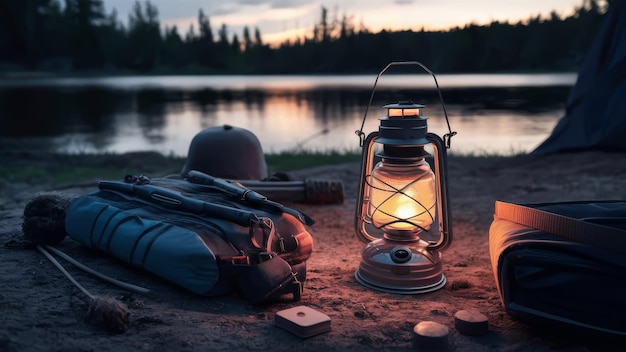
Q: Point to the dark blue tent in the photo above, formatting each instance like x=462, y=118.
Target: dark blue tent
x=595, y=113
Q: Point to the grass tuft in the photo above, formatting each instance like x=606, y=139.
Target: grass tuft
x=287, y=161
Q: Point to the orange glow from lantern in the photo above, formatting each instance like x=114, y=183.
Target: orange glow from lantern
x=402, y=197
x=403, y=112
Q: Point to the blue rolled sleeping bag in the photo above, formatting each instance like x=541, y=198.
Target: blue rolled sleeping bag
x=197, y=237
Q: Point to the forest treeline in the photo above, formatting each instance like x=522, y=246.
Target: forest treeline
x=80, y=36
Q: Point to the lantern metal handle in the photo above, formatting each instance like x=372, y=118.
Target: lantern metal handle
x=446, y=138
x=443, y=210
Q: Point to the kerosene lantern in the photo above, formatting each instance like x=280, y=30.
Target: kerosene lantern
x=402, y=206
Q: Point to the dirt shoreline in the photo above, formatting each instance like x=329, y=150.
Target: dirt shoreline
x=43, y=311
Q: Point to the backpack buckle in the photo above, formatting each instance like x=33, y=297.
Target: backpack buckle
x=297, y=287
x=240, y=260
x=265, y=256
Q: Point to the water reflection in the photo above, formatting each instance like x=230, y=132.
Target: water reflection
x=317, y=113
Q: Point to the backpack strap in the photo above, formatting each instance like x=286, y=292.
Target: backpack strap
x=597, y=235
x=265, y=276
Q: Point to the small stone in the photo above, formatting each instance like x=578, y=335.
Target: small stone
x=430, y=335
x=471, y=322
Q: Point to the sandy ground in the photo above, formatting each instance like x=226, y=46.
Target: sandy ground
x=43, y=311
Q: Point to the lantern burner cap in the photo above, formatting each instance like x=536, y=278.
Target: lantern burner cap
x=403, y=131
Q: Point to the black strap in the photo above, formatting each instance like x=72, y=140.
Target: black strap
x=606, y=237
x=268, y=279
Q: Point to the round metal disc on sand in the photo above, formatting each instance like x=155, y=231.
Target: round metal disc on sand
x=431, y=335
x=471, y=322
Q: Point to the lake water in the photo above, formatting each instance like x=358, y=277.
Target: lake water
x=504, y=114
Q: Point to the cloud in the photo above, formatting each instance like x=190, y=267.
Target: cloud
x=223, y=11
x=256, y=5
x=252, y=2
x=275, y=4
x=286, y=4
x=404, y=2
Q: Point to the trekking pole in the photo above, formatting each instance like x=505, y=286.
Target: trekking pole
x=177, y=201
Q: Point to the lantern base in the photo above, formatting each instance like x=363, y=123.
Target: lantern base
x=399, y=290
x=400, y=267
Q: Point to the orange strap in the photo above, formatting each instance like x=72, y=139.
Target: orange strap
x=596, y=235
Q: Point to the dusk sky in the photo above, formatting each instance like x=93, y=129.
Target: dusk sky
x=280, y=19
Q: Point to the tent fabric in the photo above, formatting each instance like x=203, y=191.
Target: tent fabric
x=595, y=113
